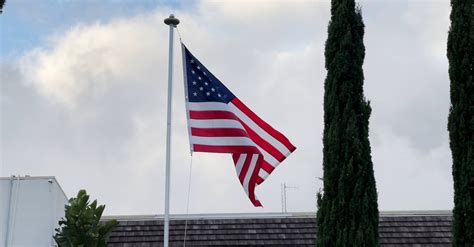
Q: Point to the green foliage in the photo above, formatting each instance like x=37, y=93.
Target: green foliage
x=82, y=227
x=2, y=3
x=347, y=208
x=461, y=119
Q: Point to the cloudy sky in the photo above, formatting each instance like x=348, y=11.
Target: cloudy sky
x=83, y=98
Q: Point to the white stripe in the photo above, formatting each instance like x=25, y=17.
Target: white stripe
x=253, y=163
x=262, y=133
x=268, y=157
x=215, y=123
x=222, y=141
x=263, y=174
x=240, y=163
x=208, y=106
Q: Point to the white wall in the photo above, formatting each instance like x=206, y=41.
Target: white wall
x=36, y=204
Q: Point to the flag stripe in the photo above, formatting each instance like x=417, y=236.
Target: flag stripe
x=215, y=123
x=263, y=143
x=253, y=183
x=208, y=106
x=257, y=129
x=249, y=174
x=271, y=160
x=223, y=141
x=249, y=188
x=266, y=127
x=244, y=170
x=224, y=149
x=240, y=163
x=263, y=174
x=217, y=132
x=212, y=115
x=268, y=167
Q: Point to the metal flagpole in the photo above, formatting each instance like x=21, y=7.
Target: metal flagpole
x=172, y=22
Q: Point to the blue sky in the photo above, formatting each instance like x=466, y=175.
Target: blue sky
x=27, y=23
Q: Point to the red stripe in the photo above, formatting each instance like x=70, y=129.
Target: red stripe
x=266, y=127
x=254, y=178
x=224, y=149
x=262, y=143
x=235, y=157
x=245, y=169
x=216, y=132
x=267, y=167
x=253, y=183
x=212, y=115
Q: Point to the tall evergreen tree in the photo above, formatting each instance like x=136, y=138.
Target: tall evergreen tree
x=348, y=213
x=461, y=119
x=2, y=2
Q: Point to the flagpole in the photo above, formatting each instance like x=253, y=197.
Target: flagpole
x=172, y=22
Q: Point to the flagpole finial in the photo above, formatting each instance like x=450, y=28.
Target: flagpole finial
x=172, y=21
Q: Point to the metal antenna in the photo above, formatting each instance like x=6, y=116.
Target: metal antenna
x=283, y=195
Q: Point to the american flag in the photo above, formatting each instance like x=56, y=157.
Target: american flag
x=218, y=122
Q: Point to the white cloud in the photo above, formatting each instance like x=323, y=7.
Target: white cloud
x=87, y=59
x=99, y=92
x=408, y=178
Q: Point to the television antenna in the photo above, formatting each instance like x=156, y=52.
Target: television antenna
x=284, y=186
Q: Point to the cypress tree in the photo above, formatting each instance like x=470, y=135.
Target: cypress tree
x=2, y=2
x=461, y=119
x=347, y=209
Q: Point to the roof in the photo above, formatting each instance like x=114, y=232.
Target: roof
x=28, y=177
x=403, y=228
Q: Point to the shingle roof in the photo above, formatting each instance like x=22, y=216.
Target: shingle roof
x=396, y=229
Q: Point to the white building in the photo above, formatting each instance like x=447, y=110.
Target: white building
x=30, y=208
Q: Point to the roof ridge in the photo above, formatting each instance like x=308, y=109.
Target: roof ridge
x=268, y=215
